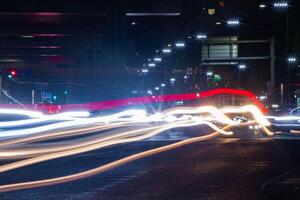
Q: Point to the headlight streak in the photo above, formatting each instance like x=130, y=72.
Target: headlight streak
x=32, y=114
x=67, y=116
x=139, y=125
x=125, y=137
x=112, y=165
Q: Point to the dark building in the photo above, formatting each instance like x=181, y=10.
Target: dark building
x=83, y=51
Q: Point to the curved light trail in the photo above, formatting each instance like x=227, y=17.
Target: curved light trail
x=94, y=106
x=103, y=131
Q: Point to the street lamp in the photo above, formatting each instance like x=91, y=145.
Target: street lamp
x=145, y=71
x=233, y=22
x=292, y=59
x=209, y=73
x=151, y=64
x=281, y=4
x=180, y=44
x=262, y=5
x=201, y=36
x=242, y=66
x=163, y=85
x=166, y=51
x=157, y=59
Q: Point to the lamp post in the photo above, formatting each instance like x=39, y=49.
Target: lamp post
x=241, y=68
x=284, y=6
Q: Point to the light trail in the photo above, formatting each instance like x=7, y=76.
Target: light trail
x=125, y=127
x=39, y=117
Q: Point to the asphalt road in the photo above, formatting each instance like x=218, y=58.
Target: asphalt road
x=216, y=169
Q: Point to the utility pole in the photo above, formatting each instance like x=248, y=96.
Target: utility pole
x=272, y=69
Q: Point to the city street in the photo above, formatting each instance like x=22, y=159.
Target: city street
x=223, y=168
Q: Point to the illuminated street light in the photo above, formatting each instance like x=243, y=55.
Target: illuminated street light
x=163, y=85
x=133, y=23
x=166, y=51
x=233, y=22
x=209, y=73
x=218, y=23
x=157, y=59
x=27, y=36
x=262, y=5
x=281, y=4
x=292, y=59
x=149, y=92
x=145, y=70
x=172, y=80
x=180, y=44
x=185, y=77
x=151, y=64
x=242, y=66
x=201, y=36
x=156, y=88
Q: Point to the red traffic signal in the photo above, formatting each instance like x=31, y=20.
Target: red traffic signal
x=13, y=72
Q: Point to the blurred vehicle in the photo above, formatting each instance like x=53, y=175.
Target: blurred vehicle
x=285, y=119
x=47, y=107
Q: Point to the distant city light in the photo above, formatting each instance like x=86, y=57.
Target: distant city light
x=242, y=66
x=54, y=97
x=185, y=77
x=156, y=51
x=66, y=92
x=218, y=23
x=157, y=59
x=151, y=64
x=281, y=4
x=292, y=59
x=156, y=88
x=149, y=92
x=180, y=44
x=166, y=50
x=201, y=36
x=163, y=85
x=9, y=76
x=133, y=23
x=169, y=45
x=209, y=73
x=233, y=22
x=149, y=59
x=145, y=70
x=172, y=80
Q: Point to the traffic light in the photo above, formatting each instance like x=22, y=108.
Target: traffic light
x=13, y=72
